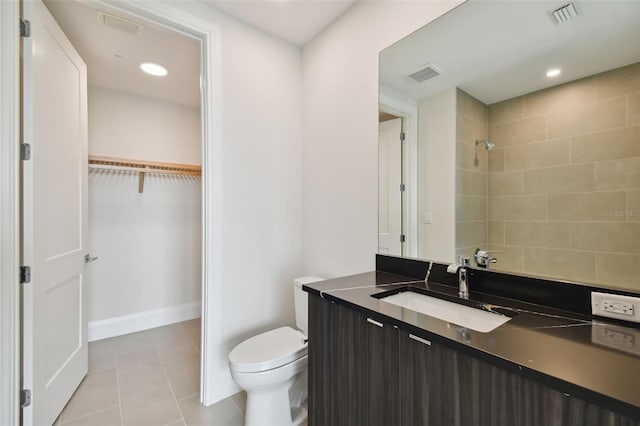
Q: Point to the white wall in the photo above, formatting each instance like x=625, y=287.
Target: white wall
x=340, y=116
x=141, y=128
x=148, y=245
x=437, y=179
x=261, y=94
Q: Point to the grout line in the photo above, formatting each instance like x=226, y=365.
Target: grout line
x=115, y=361
x=166, y=377
x=85, y=415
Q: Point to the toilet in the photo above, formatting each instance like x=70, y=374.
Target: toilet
x=268, y=366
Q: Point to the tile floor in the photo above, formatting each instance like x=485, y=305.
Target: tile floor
x=150, y=378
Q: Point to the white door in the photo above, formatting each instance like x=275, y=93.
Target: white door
x=54, y=216
x=389, y=194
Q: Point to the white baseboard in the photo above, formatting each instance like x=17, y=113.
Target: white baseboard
x=118, y=326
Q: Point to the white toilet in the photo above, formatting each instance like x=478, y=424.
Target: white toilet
x=267, y=365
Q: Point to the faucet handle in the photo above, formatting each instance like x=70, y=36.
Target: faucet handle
x=464, y=261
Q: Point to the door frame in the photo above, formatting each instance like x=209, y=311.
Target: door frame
x=409, y=114
x=9, y=212
x=211, y=95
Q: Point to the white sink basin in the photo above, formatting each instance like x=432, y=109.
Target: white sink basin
x=464, y=316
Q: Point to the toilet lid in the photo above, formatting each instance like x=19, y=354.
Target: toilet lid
x=268, y=350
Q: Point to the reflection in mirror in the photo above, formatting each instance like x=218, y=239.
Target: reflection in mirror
x=527, y=140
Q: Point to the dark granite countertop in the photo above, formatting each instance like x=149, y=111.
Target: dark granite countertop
x=567, y=351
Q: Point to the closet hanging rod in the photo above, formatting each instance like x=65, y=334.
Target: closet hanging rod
x=142, y=167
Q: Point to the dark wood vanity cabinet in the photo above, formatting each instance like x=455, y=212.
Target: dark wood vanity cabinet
x=442, y=386
x=367, y=374
x=353, y=368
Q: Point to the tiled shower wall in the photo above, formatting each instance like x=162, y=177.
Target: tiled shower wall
x=471, y=177
x=564, y=180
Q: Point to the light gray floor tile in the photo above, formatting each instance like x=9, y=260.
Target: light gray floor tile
x=139, y=368
x=102, y=355
x=134, y=342
x=223, y=413
x=109, y=417
x=150, y=403
x=172, y=346
x=98, y=391
x=177, y=423
x=184, y=376
x=240, y=399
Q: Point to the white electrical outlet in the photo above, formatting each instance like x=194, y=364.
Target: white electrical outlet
x=615, y=306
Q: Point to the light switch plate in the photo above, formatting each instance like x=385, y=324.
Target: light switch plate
x=624, y=308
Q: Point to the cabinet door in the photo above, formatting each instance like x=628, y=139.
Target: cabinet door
x=353, y=366
x=442, y=386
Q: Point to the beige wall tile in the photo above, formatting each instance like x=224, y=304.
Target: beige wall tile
x=576, y=178
x=618, y=174
x=633, y=206
x=506, y=183
x=538, y=234
x=618, y=270
x=466, y=154
x=607, y=145
x=510, y=258
x=470, y=207
x=594, y=206
x=471, y=107
x=469, y=130
x=592, y=117
x=558, y=98
x=496, y=160
x=521, y=131
x=537, y=155
x=471, y=234
x=517, y=207
x=560, y=264
x=509, y=110
x=634, y=109
x=496, y=232
x=619, y=81
x=470, y=182
x=618, y=237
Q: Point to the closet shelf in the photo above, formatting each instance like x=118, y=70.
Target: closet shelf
x=142, y=167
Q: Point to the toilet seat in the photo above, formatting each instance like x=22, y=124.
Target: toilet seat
x=268, y=350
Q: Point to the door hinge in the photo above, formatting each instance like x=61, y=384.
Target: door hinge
x=25, y=398
x=402, y=238
x=25, y=274
x=25, y=28
x=25, y=152
x=402, y=187
x=402, y=136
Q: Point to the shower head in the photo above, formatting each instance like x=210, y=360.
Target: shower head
x=487, y=145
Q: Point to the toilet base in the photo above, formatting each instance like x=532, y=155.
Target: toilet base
x=269, y=407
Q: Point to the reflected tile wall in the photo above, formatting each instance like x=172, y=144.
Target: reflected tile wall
x=564, y=180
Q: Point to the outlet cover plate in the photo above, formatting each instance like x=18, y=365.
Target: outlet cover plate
x=616, y=306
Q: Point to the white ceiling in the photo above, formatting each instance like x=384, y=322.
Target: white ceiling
x=113, y=56
x=496, y=50
x=98, y=46
x=296, y=21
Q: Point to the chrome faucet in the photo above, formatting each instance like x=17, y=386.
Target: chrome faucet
x=463, y=279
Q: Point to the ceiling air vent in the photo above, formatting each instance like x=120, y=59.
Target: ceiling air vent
x=426, y=73
x=564, y=14
x=119, y=23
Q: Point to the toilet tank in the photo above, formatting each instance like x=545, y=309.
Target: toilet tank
x=301, y=300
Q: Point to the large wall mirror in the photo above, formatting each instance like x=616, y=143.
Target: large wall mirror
x=513, y=128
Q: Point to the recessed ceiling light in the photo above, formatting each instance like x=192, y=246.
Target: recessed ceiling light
x=153, y=69
x=553, y=72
